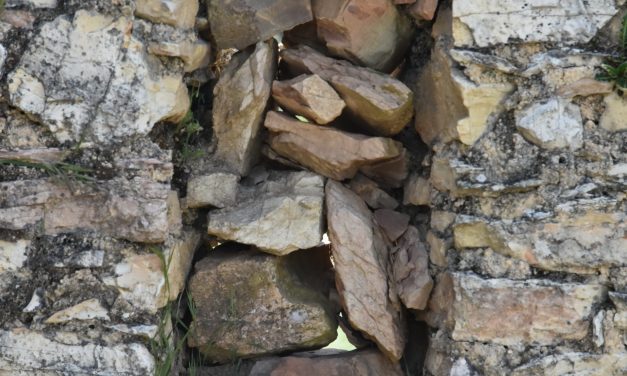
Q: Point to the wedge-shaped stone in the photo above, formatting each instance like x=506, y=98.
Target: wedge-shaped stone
x=510, y=312
x=240, y=99
x=279, y=216
x=360, y=363
x=61, y=354
x=327, y=151
x=178, y=13
x=100, y=84
x=371, y=33
x=249, y=303
x=369, y=191
x=195, y=54
x=309, y=96
x=410, y=266
x=361, y=264
x=214, y=189
x=380, y=103
x=240, y=23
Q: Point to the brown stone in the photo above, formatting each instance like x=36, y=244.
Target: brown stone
x=240, y=23
x=371, y=33
x=510, y=312
x=250, y=303
x=327, y=151
x=392, y=222
x=361, y=264
x=240, y=100
x=370, y=192
x=410, y=266
x=416, y=191
x=179, y=13
x=353, y=363
x=423, y=9
x=380, y=103
x=390, y=173
x=309, y=96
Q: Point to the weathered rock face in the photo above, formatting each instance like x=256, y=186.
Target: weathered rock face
x=552, y=125
x=240, y=23
x=78, y=76
x=178, y=13
x=375, y=197
x=361, y=263
x=327, y=151
x=231, y=287
x=410, y=267
x=279, y=216
x=381, y=103
x=309, y=96
x=240, y=100
x=358, y=363
x=216, y=189
x=575, y=363
x=373, y=33
x=533, y=312
x=613, y=118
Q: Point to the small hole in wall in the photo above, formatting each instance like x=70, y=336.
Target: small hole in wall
x=561, y=160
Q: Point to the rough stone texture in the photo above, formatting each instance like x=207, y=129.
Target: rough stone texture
x=552, y=125
x=240, y=100
x=372, y=33
x=240, y=23
x=379, y=102
x=353, y=363
x=410, y=266
x=178, y=13
x=416, y=191
x=217, y=189
x=361, y=263
x=485, y=23
x=90, y=79
x=423, y=9
x=195, y=54
x=576, y=364
x=369, y=191
x=613, y=118
x=309, y=96
x=251, y=304
x=530, y=312
x=327, y=151
x=391, y=222
x=279, y=216
x=64, y=353
x=46, y=4
x=87, y=310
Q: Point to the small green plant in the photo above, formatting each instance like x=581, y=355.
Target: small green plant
x=66, y=172
x=615, y=70
x=188, y=128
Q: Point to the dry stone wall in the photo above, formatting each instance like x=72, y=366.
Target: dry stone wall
x=222, y=187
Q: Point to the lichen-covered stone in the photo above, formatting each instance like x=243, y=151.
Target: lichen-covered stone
x=553, y=124
x=178, y=13
x=249, y=303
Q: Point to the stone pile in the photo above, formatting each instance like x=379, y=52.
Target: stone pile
x=219, y=187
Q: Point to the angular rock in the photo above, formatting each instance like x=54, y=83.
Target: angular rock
x=140, y=278
x=90, y=309
x=390, y=173
x=178, y=13
x=309, y=96
x=582, y=237
x=584, y=87
x=327, y=151
x=240, y=23
x=392, y=223
x=423, y=9
x=554, y=124
x=63, y=354
x=372, y=33
x=416, y=191
x=39, y=4
x=360, y=363
x=240, y=100
x=279, y=216
x=378, y=102
x=410, y=267
x=195, y=54
x=486, y=23
x=573, y=363
x=217, y=189
x=251, y=304
x=361, y=263
x=13, y=255
x=100, y=84
x=613, y=118
x=369, y=191
x=536, y=312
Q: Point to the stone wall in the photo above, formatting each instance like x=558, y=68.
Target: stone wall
x=223, y=187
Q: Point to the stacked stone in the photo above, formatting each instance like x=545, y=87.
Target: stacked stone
x=527, y=190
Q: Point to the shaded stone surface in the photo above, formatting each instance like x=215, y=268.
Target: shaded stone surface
x=178, y=13
x=369, y=191
x=217, y=189
x=90, y=79
x=573, y=363
x=372, y=33
x=279, y=216
x=410, y=267
x=532, y=312
x=392, y=223
x=250, y=304
x=240, y=23
x=327, y=151
x=309, y=96
x=382, y=104
x=240, y=100
x=361, y=264
x=553, y=124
